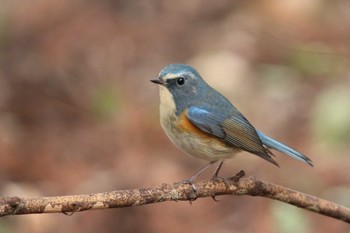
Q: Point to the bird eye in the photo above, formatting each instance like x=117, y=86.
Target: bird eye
x=180, y=81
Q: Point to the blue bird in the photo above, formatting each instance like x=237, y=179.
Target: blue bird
x=205, y=124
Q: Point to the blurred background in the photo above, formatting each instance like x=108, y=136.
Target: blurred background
x=79, y=115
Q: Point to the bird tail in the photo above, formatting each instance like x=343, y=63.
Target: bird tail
x=273, y=144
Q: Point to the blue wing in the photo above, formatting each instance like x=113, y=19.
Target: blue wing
x=234, y=130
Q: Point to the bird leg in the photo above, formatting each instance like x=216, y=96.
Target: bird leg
x=218, y=168
x=217, y=177
x=190, y=180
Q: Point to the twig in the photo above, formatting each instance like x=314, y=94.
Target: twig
x=175, y=192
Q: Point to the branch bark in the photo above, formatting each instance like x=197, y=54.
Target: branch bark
x=175, y=192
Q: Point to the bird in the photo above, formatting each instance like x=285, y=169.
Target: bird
x=205, y=124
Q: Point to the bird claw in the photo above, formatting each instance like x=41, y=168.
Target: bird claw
x=193, y=195
x=219, y=179
x=215, y=177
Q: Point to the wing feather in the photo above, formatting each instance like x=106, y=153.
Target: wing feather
x=233, y=129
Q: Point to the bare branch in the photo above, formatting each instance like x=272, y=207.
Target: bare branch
x=175, y=192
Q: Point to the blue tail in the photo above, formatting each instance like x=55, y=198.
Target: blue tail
x=273, y=144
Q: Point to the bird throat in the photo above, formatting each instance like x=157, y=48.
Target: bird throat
x=167, y=104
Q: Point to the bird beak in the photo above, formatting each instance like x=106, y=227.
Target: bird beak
x=158, y=81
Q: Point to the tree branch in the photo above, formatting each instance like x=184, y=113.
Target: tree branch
x=175, y=192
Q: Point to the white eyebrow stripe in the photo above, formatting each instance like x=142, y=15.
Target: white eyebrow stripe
x=173, y=76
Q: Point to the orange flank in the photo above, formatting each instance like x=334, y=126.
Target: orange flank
x=186, y=125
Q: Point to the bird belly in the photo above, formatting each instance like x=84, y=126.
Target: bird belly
x=193, y=141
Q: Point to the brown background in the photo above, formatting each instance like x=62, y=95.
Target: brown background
x=79, y=115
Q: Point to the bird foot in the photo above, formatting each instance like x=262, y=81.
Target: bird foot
x=193, y=195
x=219, y=179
